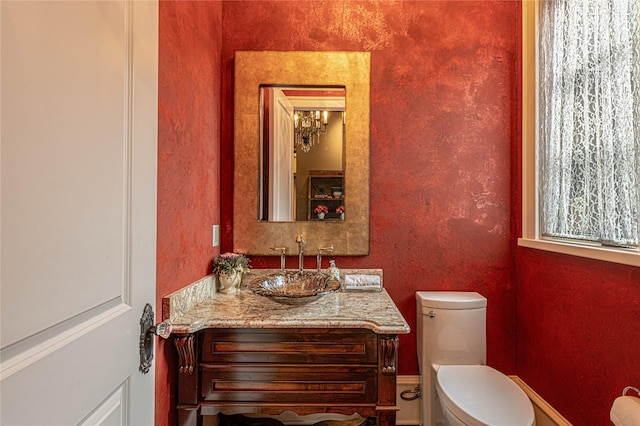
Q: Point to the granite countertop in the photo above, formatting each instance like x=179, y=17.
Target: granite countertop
x=199, y=306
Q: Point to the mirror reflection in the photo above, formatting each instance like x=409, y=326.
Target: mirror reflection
x=302, y=158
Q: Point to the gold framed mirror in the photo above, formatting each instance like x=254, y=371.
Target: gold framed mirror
x=350, y=70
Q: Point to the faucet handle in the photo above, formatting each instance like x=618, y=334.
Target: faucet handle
x=283, y=255
x=319, y=257
x=300, y=238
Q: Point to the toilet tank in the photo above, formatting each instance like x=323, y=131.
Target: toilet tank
x=451, y=328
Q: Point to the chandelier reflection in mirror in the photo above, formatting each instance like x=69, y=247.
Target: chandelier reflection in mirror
x=309, y=127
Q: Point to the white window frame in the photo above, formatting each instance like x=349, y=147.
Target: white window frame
x=531, y=236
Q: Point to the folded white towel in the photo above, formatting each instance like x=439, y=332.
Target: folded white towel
x=362, y=282
x=362, y=279
x=625, y=411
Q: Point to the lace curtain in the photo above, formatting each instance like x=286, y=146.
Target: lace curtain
x=589, y=120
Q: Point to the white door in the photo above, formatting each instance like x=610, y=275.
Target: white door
x=78, y=209
x=281, y=188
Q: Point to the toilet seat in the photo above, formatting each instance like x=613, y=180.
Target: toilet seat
x=480, y=395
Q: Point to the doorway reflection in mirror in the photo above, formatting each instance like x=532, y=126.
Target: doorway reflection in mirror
x=301, y=133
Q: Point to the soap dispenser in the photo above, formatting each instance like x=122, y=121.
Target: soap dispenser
x=333, y=271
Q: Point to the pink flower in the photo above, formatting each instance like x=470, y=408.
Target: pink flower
x=228, y=262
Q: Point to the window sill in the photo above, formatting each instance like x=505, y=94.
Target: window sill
x=625, y=257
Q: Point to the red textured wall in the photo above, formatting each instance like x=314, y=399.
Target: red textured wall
x=190, y=43
x=578, y=333
x=443, y=92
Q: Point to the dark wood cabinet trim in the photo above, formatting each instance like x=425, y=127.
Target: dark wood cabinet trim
x=270, y=371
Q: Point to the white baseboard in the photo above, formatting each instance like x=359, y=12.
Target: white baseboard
x=409, y=413
x=546, y=415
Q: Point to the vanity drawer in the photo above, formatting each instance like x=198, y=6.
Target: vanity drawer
x=337, y=346
x=288, y=383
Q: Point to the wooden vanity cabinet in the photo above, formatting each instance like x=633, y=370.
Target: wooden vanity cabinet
x=269, y=371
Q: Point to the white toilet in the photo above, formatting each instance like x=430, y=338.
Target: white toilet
x=458, y=389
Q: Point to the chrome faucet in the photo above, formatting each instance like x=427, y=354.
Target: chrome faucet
x=319, y=257
x=283, y=256
x=300, y=241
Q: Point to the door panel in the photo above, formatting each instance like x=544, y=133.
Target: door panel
x=78, y=216
x=281, y=200
x=112, y=411
x=64, y=147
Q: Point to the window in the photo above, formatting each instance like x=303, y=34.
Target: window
x=581, y=127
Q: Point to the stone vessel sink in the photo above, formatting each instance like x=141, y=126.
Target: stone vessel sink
x=294, y=287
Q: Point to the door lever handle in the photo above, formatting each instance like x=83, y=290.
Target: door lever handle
x=147, y=332
x=162, y=329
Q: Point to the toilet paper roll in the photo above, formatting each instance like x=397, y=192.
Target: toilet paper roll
x=625, y=411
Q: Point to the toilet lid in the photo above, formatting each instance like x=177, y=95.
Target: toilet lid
x=480, y=395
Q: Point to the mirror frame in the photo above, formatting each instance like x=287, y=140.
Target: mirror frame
x=349, y=69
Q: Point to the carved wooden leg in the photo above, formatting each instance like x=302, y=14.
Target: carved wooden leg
x=386, y=418
x=185, y=345
x=188, y=376
x=389, y=345
x=189, y=416
x=387, y=366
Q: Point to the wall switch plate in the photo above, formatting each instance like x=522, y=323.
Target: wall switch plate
x=216, y=235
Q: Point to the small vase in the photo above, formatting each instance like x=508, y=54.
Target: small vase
x=230, y=282
x=320, y=215
x=342, y=216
